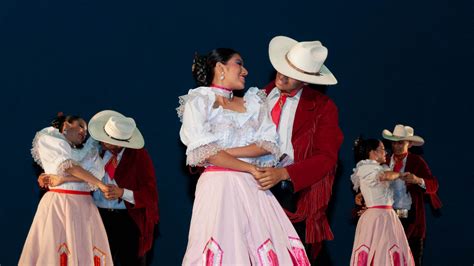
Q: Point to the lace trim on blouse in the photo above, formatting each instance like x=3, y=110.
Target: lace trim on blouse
x=68, y=164
x=274, y=150
x=34, y=149
x=180, y=109
x=199, y=155
x=262, y=95
x=62, y=167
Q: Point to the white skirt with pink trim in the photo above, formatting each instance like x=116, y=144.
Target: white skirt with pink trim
x=380, y=240
x=236, y=223
x=66, y=230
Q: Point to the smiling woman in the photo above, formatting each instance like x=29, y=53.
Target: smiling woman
x=234, y=220
x=67, y=228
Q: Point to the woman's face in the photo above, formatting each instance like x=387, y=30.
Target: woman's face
x=76, y=132
x=381, y=153
x=234, y=73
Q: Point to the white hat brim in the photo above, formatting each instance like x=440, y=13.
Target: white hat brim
x=277, y=50
x=416, y=140
x=96, y=130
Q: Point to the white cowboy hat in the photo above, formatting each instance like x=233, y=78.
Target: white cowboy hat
x=302, y=61
x=401, y=132
x=114, y=128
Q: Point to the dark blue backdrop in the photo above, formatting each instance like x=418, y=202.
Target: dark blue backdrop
x=396, y=61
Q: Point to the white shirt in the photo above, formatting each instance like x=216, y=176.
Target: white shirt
x=402, y=198
x=99, y=198
x=366, y=176
x=287, y=118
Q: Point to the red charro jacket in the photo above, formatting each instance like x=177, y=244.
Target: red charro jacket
x=417, y=166
x=316, y=140
x=135, y=172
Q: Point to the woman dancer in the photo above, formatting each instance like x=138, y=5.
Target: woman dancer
x=233, y=220
x=67, y=228
x=380, y=238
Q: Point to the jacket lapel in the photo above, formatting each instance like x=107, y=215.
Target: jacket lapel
x=306, y=105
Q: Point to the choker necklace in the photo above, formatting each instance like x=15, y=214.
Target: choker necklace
x=223, y=91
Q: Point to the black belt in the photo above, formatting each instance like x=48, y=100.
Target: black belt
x=112, y=210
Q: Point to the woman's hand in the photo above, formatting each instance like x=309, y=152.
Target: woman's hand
x=359, y=199
x=45, y=180
x=114, y=192
x=411, y=178
x=55, y=180
x=270, y=176
x=103, y=187
x=361, y=211
x=255, y=172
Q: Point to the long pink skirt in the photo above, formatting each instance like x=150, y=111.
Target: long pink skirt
x=380, y=240
x=235, y=223
x=67, y=230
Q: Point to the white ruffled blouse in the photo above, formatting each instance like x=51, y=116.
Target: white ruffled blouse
x=366, y=176
x=207, y=129
x=54, y=154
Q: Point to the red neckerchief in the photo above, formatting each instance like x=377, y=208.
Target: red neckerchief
x=399, y=161
x=276, y=110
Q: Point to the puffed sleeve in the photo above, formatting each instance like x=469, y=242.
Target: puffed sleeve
x=195, y=131
x=266, y=136
x=367, y=172
x=54, y=153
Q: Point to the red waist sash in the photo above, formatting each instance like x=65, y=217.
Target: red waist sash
x=67, y=191
x=213, y=168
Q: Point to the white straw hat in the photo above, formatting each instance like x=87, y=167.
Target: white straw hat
x=302, y=61
x=114, y=128
x=401, y=132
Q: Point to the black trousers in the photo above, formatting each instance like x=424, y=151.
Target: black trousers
x=416, y=246
x=283, y=192
x=416, y=243
x=123, y=235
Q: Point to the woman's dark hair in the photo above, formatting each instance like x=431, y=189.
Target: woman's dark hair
x=59, y=121
x=203, y=65
x=362, y=148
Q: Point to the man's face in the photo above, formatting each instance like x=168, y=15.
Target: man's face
x=287, y=84
x=110, y=147
x=400, y=147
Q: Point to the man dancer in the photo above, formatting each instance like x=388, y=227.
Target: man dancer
x=409, y=193
x=130, y=209
x=307, y=123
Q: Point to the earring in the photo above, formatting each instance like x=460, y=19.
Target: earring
x=222, y=76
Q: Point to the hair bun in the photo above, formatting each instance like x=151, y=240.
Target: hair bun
x=358, y=141
x=58, y=120
x=199, y=69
